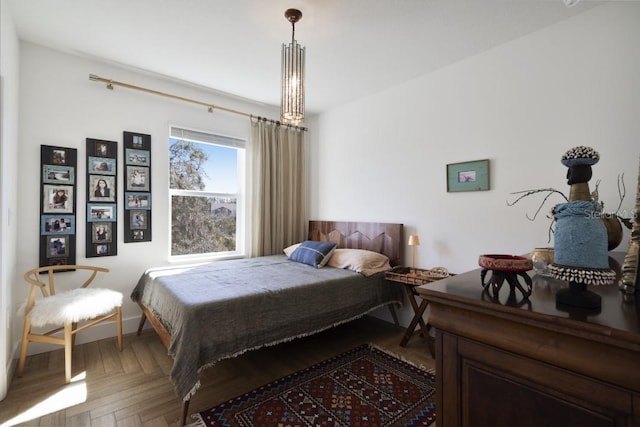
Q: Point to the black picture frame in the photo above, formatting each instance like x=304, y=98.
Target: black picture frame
x=137, y=184
x=102, y=198
x=57, y=174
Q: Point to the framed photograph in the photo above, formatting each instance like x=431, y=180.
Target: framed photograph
x=56, y=174
x=101, y=165
x=101, y=249
x=136, y=157
x=102, y=188
x=468, y=176
x=138, y=219
x=57, y=224
x=59, y=156
x=57, y=198
x=101, y=232
x=57, y=246
x=137, y=141
x=137, y=200
x=137, y=178
x=101, y=212
x=101, y=148
x=138, y=234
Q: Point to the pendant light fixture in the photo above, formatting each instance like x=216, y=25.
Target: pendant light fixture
x=292, y=99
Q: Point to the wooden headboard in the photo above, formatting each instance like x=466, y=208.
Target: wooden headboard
x=384, y=238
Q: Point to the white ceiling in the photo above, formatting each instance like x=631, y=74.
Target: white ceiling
x=354, y=47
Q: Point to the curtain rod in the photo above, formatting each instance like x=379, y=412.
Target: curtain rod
x=210, y=107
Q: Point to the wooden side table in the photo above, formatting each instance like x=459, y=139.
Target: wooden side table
x=410, y=278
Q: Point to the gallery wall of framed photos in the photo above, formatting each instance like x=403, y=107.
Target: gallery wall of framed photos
x=58, y=192
x=58, y=205
x=102, y=196
x=137, y=195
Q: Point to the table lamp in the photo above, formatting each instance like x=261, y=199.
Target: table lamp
x=414, y=240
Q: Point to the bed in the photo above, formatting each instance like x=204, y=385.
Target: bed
x=208, y=312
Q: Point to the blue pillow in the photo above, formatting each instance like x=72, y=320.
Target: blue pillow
x=315, y=254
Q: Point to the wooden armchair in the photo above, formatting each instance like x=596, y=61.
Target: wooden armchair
x=67, y=308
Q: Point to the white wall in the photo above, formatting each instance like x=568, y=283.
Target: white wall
x=60, y=106
x=9, y=85
x=521, y=105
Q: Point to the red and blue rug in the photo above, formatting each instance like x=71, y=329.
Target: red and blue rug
x=361, y=387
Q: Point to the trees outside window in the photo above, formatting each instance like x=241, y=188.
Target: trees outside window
x=206, y=198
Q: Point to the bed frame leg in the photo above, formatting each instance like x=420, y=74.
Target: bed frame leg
x=185, y=411
x=143, y=319
x=392, y=310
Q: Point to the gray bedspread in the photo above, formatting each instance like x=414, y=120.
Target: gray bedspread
x=221, y=309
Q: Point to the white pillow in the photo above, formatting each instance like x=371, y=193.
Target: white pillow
x=288, y=251
x=359, y=260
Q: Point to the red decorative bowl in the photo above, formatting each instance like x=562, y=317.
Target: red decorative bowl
x=505, y=263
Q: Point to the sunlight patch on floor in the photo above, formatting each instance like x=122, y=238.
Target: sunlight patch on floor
x=70, y=394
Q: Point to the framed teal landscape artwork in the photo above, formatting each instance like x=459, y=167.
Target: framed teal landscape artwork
x=468, y=176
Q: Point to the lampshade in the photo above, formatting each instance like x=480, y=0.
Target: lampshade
x=292, y=98
x=414, y=240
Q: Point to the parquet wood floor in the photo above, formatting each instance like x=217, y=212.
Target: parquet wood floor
x=132, y=388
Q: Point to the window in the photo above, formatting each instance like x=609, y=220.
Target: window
x=206, y=186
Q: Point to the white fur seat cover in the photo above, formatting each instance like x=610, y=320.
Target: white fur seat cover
x=74, y=305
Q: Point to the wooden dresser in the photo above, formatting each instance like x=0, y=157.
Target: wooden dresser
x=533, y=364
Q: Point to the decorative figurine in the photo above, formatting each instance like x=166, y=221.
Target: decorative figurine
x=580, y=249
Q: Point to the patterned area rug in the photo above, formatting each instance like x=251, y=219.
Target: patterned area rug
x=362, y=387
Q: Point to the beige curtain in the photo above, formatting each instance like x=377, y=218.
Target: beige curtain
x=278, y=190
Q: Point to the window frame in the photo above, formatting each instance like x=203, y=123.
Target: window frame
x=238, y=143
